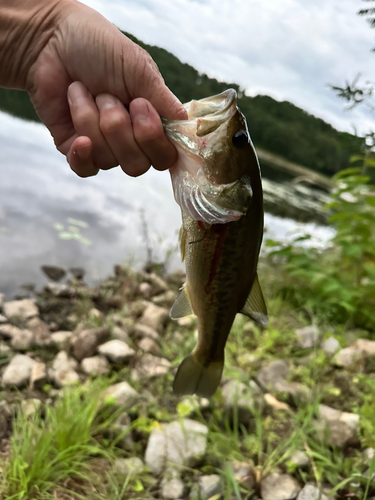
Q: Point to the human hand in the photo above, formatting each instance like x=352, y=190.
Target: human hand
x=101, y=95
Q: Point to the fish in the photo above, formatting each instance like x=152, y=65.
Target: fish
x=217, y=184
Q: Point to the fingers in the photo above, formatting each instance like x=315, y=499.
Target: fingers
x=80, y=157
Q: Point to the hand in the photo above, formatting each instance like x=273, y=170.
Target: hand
x=101, y=96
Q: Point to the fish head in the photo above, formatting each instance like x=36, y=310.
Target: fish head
x=212, y=176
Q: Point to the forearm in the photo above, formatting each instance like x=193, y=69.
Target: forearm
x=25, y=28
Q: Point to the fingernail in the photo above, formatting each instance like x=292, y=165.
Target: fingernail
x=77, y=93
x=106, y=101
x=140, y=111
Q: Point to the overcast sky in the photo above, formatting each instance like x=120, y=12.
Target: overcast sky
x=288, y=49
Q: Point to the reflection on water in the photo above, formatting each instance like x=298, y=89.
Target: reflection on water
x=39, y=195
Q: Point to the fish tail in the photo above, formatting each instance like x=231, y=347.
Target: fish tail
x=194, y=377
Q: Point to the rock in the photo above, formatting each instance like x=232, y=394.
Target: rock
x=18, y=372
x=120, y=334
x=192, y=404
x=61, y=290
x=279, y=487
x=142, y=331
x=187, y=321
x=30, y=406
x=4, y=347
x=347, y=357
x=63, y=370
x=55, y=273
x=368, y=454
x=61, y=339
x=155, y=317
x=64, y=378
x=149, y=345
x=78, y=273
x=158, y=285
x=182, y=443
x=144, y=289
x=116, y=351
x=273, y=372
x=38, y=376
x=165, y=299
x=121, y=432
x=295, y=390
x=150, y=366
x=341, y=427
x=243, y=472
x=210, y=486
x=126, y=466
x=299, y=458
x=121, y=394
x=96, y=365
x=240, y=396
x=308, y=336
x=330, y=346
x=63, y=362
x=366, y=346
x=24, y=309
x=274, y=403
x=311, y=492
x=3, y=319
x=40, y=330
x=171, y=485
x=20, y=339
x=87, y=342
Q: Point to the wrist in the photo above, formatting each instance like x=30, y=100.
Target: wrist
x=25, y=28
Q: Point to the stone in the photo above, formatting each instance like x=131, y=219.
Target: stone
x=181, y=443
x=4, y=347
x=38, y=376
x=18, y=372
x=299, y=458
x=149, y=345
x=120, y=334
x=165, y=299
x=244, y=473
x=126, y=466
x=273, y=372
x=142, y=331
x=210, y=486
x=40, y=330
x=368, y=454
x=61, y=339
x=347, y=357
x=87, y=342
x=30, y=406
x=24, y=309
x=61, y=290
x=155, y=317
x=77, y=272
x=171, y=485
x=3, y=319
x=158, y=285
x=63, y=370
x=240, y=396
x=63, y=362
x=55, y=273
x=340, y=427
x=308, y=336
x=274, y=403
x=330, y=346
x=311, y=492
x=116, y=351
x=366, y=346
x=150, y=366
x=295, y=390
x=121, y=394
x=145, y=289
x=96, y=365
x=22, y=340
x=279, y=487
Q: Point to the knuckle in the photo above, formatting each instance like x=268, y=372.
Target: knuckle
x=112, y=122
x=150, y=133
x=84, y=118
x=135, y=169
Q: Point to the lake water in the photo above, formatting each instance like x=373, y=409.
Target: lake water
x=48, y=215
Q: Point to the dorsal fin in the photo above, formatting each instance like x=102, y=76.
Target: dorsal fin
x=182, y=306
x=255, y=306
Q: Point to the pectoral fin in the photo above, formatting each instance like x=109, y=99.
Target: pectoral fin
x=255, y=306
x=182, y=306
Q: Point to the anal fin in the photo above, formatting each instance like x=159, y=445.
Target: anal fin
x=182, y=306
x=255, y=306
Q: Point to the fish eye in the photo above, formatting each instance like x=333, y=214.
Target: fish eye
x=240, y=139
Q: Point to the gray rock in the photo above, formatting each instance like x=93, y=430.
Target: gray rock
x=347, y=357
x=158, y=285
x=240, y=396
x=308, y=336
x=273, y=372
x=96, y=365
x=116, y=351
x=18, y=372
x=121, y=394
x=120, y=334
x=279, y=487
x=145, y=289
x=368, y=454
x=150, y=366
x=3, y=319
x=142, y=331
x=182, y=443
x=210, y=486
x=60, y=290
x=244, y=473
x=20, y=339
x=61, y=339
x=38, y=376
x=171, y=485
x=165, y=299
x=40, y=330
x=30, y=406
x=126, y=466
x=87, y=342
x=330, y=346
x=299, y=458
x=63, y=362
x=55, y=273
x=149, y=345
x=24, y=309
x=155, y=317
x=294, y=389
x=311, y=492
x=340, y=427
x=63, y=372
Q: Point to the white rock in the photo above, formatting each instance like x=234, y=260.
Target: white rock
x=142, y=331
x=171, y=486
x=116, y=351
x=121, y=394
x=182, y=443
x=367, y=346
x=60, y=290
x=155, y=317
x=150, y=366
x=24, y=309
x=61, y=339
x=244, y=473
x=274, y=403
x=95, y=366
x=210, y=486
x=341, y=427
x=120, y=333
x=63, y=362
x=42, y=336
x=3, y=319
x=165, y=299
x=299, y=458
x=307, y=336
x=30, y=406
x=273, y=372
x=4, y=347
x=20, y=339
x=348, y=357
x=158, y=285
x=145, y=289
x=279, y=487
x=311, y=492
x=368, y=454
x=38, y=376
x=149, y=345
x=330, y=346
x=63, y=370
x=17, y=373
x=125, y=466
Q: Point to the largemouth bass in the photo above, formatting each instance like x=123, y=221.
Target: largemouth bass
x=217, y=183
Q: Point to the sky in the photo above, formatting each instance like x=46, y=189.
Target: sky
x=288, y=49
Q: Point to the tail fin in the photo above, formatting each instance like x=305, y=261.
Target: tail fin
x=193, y=377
